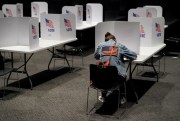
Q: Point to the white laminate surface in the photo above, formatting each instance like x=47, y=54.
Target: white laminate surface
x=43, y=44
x=148, y=52
x=86, y=25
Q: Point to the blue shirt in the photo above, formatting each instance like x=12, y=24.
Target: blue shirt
x=116, y=58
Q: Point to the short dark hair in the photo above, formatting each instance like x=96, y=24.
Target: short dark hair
x=107, y=34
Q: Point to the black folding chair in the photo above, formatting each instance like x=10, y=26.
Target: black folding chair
x=105, y=79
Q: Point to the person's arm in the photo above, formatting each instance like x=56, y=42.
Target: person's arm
x=128, y=53
x=97, y=53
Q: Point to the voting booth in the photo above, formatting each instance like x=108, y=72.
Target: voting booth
x=1, y=14
x=125, y=32
x=94, y=13
x=13, y=10
x=143, y=12
x=77, y=10
x=151, y=30
x=19, y=31
x=58, y=26
x=37, y=8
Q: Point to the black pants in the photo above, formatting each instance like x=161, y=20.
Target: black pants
x=121, y=80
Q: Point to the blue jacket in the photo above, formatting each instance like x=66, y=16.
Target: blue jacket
x=117, y=57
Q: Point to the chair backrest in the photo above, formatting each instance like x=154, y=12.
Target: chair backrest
x=103, y=77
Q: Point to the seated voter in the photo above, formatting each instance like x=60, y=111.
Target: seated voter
x=104, y=53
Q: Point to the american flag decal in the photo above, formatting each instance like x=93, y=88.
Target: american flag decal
x=67, y=24
x=149, y=14
x=49, y=23
x=33, y=29
x=35, y=10
x=88, y=13
x=79, y=11
x=141, y=29
x=9, y=12
x=19, y=10
x=142, y=33
x=135, y=15
x=158, y=27
x=68, y=11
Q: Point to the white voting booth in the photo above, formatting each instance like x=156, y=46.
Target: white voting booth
x=1, y=14
x=19, y=31
x=125, y=32
x=58, y=26
x=13, y=10
x=37, y=8
x=94, y=13
x=77, y=10
x=151, y=30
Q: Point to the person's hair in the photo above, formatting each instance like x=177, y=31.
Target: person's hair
x=109, y=36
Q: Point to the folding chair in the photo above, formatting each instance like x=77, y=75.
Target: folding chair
x=105, y=79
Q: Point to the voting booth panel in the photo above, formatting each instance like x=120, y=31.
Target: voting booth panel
x=19, y=31
x=1, y=14
x=151, y=30
x=101, y=29
x=37, y=8
x=8, y=33
x=77, y=10
x=58, y=26
x=158, y=9
x=13, y=10
x=9, y=10
x=126, y=33
x=94, y=13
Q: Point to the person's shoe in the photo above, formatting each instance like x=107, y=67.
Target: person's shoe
x=102, y=99
x=123, y=100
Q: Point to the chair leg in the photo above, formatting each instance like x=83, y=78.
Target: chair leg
x=87, y=107
x=119, y=100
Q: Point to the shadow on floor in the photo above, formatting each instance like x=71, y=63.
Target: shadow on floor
x=40, y=78
x=110, y=106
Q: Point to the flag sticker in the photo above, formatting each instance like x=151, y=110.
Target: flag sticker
x=135, y=15
x=142, y=32
x=80, y=14
x=67, y=24
x=34, y=10
x=49, y=25
x=9, y=12
x=34, y=32
x=158, y=29
x=67, y=11
x=88, y=13
x=149, y=14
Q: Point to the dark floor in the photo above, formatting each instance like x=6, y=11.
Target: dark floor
x=61, y=95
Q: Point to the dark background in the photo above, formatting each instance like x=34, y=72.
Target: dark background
x=113, y=9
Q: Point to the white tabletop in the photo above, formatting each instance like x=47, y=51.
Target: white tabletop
x=86, y=25
x=148, y=52
x=43, y=44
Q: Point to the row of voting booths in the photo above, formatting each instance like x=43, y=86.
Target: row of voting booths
x=144, y=28
x=53, y=26
x=151, y=24
x=94, y=13
x=24, y=31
